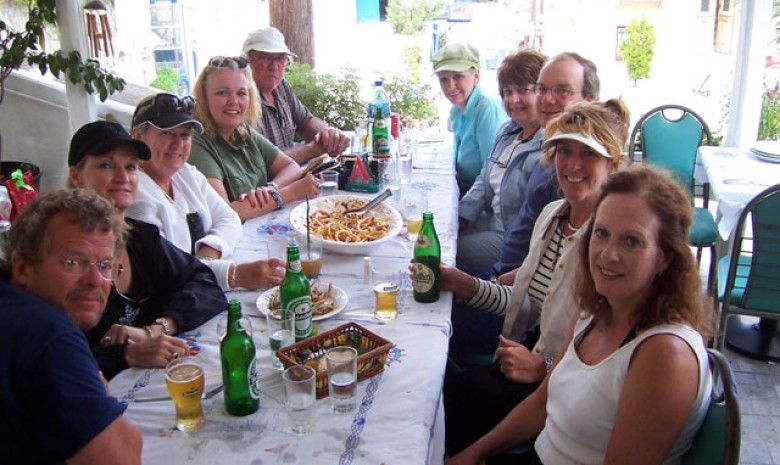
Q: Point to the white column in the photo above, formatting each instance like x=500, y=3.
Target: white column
x=82, y=108
x=746, y=95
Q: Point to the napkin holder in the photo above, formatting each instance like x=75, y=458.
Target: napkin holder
x=360, y=175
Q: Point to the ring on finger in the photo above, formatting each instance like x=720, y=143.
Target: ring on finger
x=107, y=338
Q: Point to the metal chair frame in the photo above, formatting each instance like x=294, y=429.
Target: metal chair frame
x=754, y=263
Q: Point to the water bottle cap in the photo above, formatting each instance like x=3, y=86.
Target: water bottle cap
x=378, y=82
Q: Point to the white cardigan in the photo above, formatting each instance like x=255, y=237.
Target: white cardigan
x=191, y=193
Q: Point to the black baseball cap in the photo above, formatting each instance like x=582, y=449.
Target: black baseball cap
x=101, y=137
x=166, y=111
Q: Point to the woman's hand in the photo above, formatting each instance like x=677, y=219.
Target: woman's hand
x=262, y=274
x=155, y=352
x=461, y=284
x=298, y=190
x=518, y=364
x=258, y=197
x=120, y=334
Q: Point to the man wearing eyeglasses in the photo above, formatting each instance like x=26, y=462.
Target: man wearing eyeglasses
x=53, y=404
x=566, y=78
x=284, y=114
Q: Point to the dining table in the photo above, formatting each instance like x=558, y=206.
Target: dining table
x=399, y=414
x=736, y=175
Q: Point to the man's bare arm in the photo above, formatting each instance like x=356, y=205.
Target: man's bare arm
x=119, y=444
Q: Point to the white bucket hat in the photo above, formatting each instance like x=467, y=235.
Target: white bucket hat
x=268, y=40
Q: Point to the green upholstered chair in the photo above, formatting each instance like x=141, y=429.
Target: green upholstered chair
x=749, y=278
x=669, y=136
x=718, y=440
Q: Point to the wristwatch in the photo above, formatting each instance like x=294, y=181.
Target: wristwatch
x=165, y=326
x=548, y=362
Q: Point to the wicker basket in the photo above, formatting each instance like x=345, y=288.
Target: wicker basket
x=372, y=352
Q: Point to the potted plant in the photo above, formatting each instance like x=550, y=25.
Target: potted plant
x=18, y=47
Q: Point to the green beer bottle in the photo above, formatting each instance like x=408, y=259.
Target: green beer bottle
x=427, y=257
x=295, y=295
x=380, y=135
x=239, y=372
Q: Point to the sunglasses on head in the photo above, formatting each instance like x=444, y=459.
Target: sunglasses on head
x=225, y=62
x=162, y=104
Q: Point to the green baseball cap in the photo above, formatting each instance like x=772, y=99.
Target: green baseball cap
x=456, y=57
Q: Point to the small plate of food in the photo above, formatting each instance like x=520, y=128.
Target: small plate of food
x=326, y=300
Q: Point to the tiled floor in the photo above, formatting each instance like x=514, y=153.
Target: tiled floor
x=758, y=388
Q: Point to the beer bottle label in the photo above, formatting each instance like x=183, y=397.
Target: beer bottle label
x=423, y=278
x=423, y=241
x=295, y=265
x=301, y=307
x=251, y=376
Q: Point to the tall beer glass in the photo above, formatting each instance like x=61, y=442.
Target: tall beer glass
x=185, y=380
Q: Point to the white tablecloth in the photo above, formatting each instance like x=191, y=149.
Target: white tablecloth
x=399, y=419
x=736, y=176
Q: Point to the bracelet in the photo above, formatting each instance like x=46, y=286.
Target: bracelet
x=165, y=326
x=272, y=184
x=277, y=198
x=232, y=278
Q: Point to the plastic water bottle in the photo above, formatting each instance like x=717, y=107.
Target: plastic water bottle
x=380, y=99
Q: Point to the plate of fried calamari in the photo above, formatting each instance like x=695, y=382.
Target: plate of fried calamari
x=350, y=233
x=326, y=301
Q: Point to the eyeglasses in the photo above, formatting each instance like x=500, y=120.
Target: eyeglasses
x=269, y=59
x=557, y=92
x=108, y=269
x=505, y=162
x=226, y=62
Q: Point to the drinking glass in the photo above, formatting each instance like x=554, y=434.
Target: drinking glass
x=185, y=381
x=281, y=333
x=342, y=378
x=414, y=207
x=277, y=248
x=330, y=182
x=311, y=254
x=299, y=398
x=386, y=283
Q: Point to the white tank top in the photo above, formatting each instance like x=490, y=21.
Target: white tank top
x=582, y=401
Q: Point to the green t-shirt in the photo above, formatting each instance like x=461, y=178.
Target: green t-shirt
x=241, y=167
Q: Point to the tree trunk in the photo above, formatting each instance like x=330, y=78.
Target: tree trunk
x=294, y=19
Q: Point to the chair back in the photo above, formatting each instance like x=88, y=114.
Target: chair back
x=668, y=137
x=718, y=440
x=753, y=281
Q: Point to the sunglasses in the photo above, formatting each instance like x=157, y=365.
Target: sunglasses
x=227, y=62
x=163, y=104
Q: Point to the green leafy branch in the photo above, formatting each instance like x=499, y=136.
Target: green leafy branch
x=27, y=45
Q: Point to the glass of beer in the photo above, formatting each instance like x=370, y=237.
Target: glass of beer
x=311, y=254
x=386, y=284
x=185, y=380
x=414, y=207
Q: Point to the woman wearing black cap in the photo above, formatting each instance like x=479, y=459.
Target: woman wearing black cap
x=161, y=290
x=174, y=196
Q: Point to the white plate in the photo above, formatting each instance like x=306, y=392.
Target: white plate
x=770, y=148
x=298, y=222
x=338, y=295
x=764, y=157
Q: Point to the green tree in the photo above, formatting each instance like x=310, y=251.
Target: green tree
x=637, y=49
x=408, y=17
x=334, y=99
x=167, y=79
